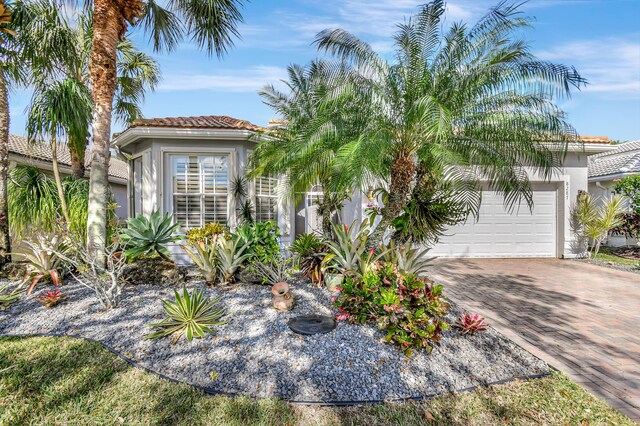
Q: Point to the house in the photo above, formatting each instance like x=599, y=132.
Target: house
x=606, y=168
x=185, y=166
x=38, y=154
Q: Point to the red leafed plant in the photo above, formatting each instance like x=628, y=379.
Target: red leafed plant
x=42, y=261
x=470, y=323
x=50, y=298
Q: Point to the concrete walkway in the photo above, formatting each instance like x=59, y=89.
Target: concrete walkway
x=580, y=318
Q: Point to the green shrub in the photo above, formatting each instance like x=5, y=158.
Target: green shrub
x=149, y=237
x=408, y=308
x=206, y=233
x=192, y=315
x=261, y=239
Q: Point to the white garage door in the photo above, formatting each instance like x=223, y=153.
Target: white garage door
x=499, y=233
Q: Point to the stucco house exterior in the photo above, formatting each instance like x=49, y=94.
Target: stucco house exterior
x=606, y=168
x=38, y=154
x=185, y=165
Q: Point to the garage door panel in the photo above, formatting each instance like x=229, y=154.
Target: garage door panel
x=501, y=233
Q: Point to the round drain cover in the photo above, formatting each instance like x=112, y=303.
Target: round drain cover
x=312, y=324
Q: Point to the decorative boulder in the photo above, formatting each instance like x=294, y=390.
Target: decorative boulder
x=155, y=272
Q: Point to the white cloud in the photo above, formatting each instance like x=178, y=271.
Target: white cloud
x=611, y=65
x=229, y=80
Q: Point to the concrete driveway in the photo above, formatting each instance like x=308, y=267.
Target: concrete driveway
x=580, y=318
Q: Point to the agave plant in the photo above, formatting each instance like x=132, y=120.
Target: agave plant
x=469, y=324
x=231, y=256
x=408, y=260
x=42, y=259
x=8, y=298
x=205, y=256
x=50, y=298
x=192, y=315
x=149, y=237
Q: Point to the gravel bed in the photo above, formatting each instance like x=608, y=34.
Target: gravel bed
x=612, y=265
x=256, y=354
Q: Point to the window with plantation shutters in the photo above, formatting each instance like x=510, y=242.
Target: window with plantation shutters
x=200, y=189
x=266, y=201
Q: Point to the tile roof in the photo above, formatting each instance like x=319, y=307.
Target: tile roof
x=39, y=150
x=624, y=159
x=201, y=122
x=595, y=139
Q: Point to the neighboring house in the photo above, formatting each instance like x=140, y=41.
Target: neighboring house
x=38, y=154
x=606, y=168
x=185, y=166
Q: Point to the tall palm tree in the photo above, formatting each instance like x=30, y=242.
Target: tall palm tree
x=469, y=96
x=212, y=24
x=304, y=147
x=5, y=238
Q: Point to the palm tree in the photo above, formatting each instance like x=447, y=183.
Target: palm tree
x=469, y=96
x=5, y=238
x=304, y=147
x=212, y=24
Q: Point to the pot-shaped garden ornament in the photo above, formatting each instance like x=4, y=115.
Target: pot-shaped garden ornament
x=282, y=297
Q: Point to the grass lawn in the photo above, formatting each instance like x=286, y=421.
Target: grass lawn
x=67, y=381
x=605, y=255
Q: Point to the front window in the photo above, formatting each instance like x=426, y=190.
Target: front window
x=266, y=200
x=200, y=189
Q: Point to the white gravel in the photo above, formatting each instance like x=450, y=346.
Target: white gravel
x=256, y=354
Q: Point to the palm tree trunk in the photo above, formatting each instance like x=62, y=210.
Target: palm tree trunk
x=326, y=210
x=5, y=237
x=56, y=176
x=108, y=25
x=77, y=162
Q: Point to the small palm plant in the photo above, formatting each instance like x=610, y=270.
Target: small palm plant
x=42, y=259
x=192, y=315
x=231, y=256
x=149, y=237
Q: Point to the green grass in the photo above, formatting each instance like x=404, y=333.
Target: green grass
x=605, y=256
x=64, y=381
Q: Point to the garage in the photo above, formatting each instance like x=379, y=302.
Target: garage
x=499, y=233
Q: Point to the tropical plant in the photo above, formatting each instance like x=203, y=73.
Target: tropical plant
x=261, y=239
x=149, y=236
x=409, y=309
x=303, y=148
x=105, y=279
x=469, y=324
x=592, y=221
x=7, y=298
x=408, y=260
x=349, y=253
x=211, y=24
x=50, y=298
x=464, y=95
x=233, y=253
x=193, y=315
x=43, y=260
x=207, y=233
x=275, y=272
x=205, y=256
x=629, y=186
x=245, y=211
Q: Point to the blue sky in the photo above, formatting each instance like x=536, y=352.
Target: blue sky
x=601, y=38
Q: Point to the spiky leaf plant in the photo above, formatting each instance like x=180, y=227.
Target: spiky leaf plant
x=205, y=256
x=42, y=259
x=50, y=298
x=232, y=254
x=470, y=323
x=408, y=260
x=7, y=298
x=192, y=315
x=149, y=237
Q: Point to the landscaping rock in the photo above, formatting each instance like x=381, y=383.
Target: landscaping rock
x=257, y=354
x=14, y=270
x=156, y=272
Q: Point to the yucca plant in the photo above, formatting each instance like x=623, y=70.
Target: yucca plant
x=7, y=298
x=408, y=260
x=50, y=298
x=231, y=256
x=469, y=324
x=192, y=315
x=149, y=237
x=42, y=259
x=205, y=256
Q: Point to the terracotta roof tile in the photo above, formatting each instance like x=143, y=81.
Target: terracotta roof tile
x=39, y=150
x=595, y=139
x=201, y=122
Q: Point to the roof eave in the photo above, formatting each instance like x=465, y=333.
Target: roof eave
x=132, y=134
x=592, y=148
x=611, y=176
